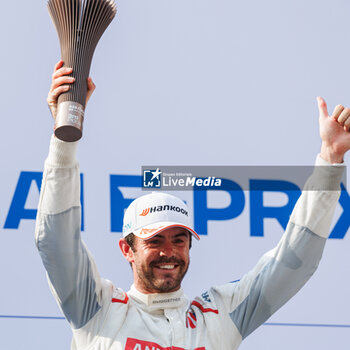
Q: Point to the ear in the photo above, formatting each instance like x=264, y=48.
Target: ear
x=126, y=250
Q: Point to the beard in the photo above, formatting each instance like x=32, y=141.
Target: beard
x=168, y=282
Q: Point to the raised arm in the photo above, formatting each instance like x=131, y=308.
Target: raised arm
x=71, y=271
x=281, y=272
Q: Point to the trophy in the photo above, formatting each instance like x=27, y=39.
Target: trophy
x=80, y=25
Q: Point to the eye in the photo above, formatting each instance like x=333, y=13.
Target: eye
x=180, y=241
x=154, y=242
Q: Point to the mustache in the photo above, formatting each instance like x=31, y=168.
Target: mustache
x=167, y=260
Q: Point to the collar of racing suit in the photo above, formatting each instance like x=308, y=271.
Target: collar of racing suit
x=158, y=301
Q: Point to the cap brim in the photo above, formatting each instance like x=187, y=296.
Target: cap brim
x=151, y=230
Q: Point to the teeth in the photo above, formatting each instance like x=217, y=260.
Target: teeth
x=167, y=267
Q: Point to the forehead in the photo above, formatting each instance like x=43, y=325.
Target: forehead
x=173, y=232
x=167, y=234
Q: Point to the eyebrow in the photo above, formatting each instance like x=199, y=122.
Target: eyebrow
x=180, y=234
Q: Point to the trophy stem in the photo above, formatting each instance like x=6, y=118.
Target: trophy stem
x=69, y=121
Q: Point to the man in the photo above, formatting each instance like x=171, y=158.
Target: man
x=155, y=314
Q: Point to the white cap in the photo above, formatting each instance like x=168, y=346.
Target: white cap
x=152, y=213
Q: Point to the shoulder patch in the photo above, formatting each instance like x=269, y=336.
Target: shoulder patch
x=206, y=296
x=203, y=308
x=119, y=296
x=203, y=304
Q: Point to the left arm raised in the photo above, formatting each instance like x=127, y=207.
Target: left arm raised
x=280, y=273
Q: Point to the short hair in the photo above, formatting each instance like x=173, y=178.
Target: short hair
x=130, y=240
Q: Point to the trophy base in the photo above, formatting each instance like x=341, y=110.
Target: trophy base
x=69, y=121
x=68, y=133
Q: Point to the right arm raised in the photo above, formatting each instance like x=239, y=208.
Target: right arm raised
x=72, y=274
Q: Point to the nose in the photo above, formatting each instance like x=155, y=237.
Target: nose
x=166, y=249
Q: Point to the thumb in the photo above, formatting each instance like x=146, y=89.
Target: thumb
x=322, y=107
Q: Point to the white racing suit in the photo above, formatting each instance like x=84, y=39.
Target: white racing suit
x=105, y=317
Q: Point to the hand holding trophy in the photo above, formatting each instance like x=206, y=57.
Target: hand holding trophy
x=80, y=25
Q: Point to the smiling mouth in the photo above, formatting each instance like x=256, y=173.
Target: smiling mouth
x=167, y=264
x=167, y=267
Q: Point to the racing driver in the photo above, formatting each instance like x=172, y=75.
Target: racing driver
x=157, y=236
